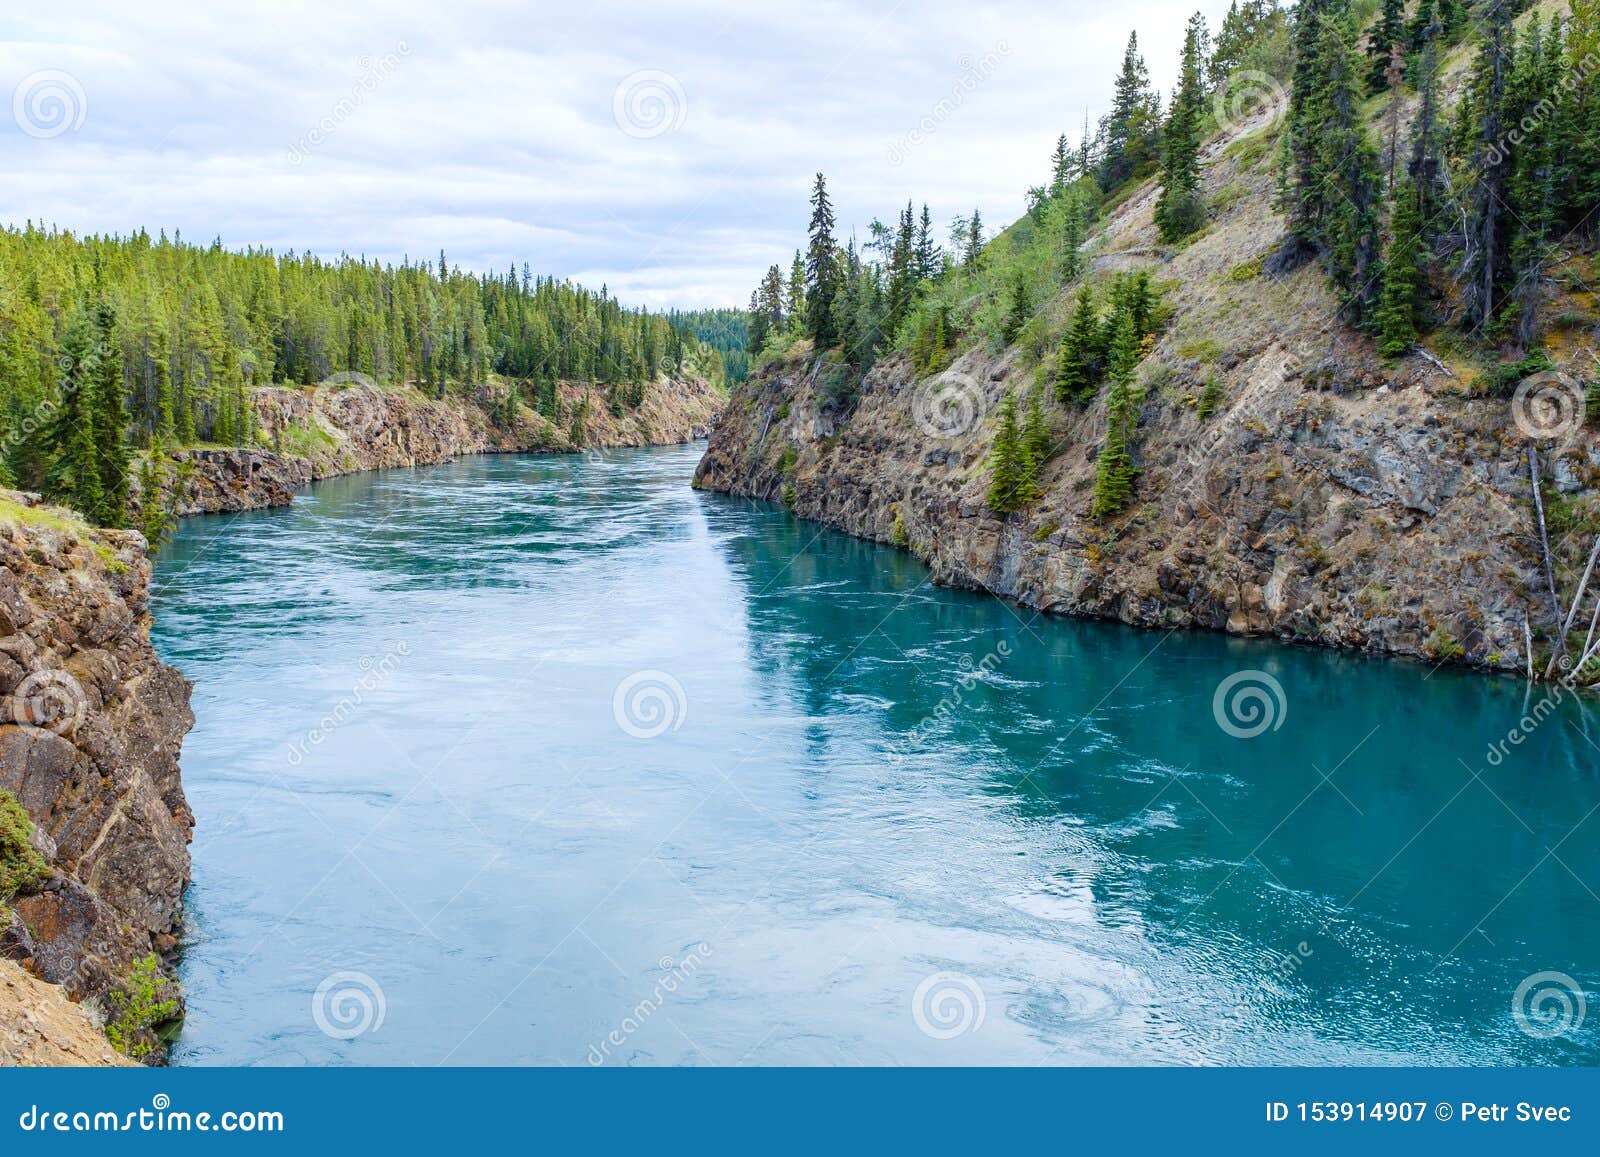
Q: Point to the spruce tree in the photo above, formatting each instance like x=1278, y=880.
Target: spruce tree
x=1130, y=126
x=1388, y=31
x=1007, y=469
x=1036, y=441
x=1077, y=371
x=1019, y=311
x=1180, y=210
x=1114, y=468
x=73, y=471
x=1396, y=317
x=821, y=268
x=111, y=421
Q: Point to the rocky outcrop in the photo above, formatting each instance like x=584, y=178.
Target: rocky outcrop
x=90, y=727
x=40, y=1026
x=1329, y=498
x=328, y=430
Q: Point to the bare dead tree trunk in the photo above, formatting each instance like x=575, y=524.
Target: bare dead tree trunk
x=1544, y=542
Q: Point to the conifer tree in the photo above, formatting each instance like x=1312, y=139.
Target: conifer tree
x=1180, y=210
x=73, y=472
x=821, y=268
x=1008, y=477
x=1387, y=31
x=1397, y=308
x=1036, y=441
x=110, y=421
x=1114, y=468
x=1077, y=368
x=973, y=255
x=1019, y=311
x=1130, y=127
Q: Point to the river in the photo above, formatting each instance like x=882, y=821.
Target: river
x=552, y=760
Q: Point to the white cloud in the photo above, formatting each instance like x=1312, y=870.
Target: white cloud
x=487, y=129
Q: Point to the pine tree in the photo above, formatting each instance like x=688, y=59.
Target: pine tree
x=1077, y=369
x=1490, y=167
x=821, y=268
x=1037, y=444
x=1130, y=126
x=974, y=251
x=1180, y=209
x=1020, y=310
x=1396, y=317
x=794, y=304
x=1114, y=468
x=1388, y=31
x=73, y=472
x=110, y=421
x=1008, y=477
x=1061, y=162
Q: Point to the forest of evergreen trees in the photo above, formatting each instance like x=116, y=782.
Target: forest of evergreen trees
x=1428, y=219
x=110, y=345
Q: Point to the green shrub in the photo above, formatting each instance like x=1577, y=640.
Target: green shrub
x=22, y=868
x=144, y=1001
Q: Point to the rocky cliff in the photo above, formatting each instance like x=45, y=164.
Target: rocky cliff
x=94, y=827
x=349, y=426
x=1321, y=496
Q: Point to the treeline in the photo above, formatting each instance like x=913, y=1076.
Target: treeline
x=162, y=341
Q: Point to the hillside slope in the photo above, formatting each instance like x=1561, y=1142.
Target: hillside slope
x=1329, y=498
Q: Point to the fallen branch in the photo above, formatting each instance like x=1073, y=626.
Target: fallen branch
x=1572, y=611
x=1544, y=536
x=1442, y=368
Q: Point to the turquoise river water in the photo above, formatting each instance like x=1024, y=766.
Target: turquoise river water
x=553, y=760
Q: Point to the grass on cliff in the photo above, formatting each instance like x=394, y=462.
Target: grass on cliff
x=53, y=519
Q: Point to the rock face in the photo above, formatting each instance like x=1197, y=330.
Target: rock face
x=90, y=727
x=40, y=1026
x=1328, y=499
x=324, y=431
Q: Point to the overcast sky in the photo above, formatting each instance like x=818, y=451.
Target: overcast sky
x=664, y=149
